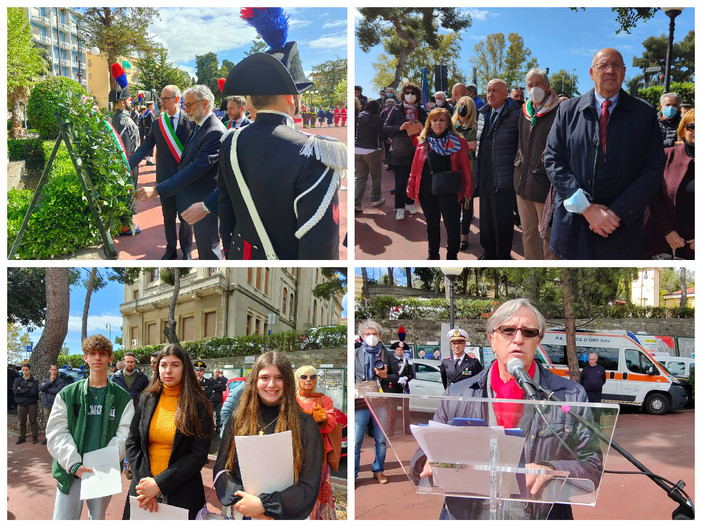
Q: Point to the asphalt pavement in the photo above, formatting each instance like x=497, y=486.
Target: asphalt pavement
x=664, y=444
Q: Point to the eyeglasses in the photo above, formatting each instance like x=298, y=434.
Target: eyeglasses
x=311, y=377
x=189, y=105
x=511, y=331
x=605, y=67
x=164, y=99
x=690, y=126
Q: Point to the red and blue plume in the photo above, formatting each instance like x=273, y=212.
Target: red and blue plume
x=401, y=333
x=119, y=75
x=270, y=22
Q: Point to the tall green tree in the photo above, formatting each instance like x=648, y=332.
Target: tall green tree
x=17, y=343
x=495, y=59
x=119, y=31
x=402, y=29
x=327, y=76
x=628, y=17
x=25, y=65
x=156, y=71
x=257, y=46
x=26, y=296
x=447, y=52
x=682, y=68
x=564, y=82
x=207, y=70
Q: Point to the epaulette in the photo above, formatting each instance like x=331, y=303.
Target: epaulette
x=328, y=150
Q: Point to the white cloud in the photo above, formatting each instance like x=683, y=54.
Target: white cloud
x=96, y=323
x=481, y=14
x=332, y=41
x=191, y=31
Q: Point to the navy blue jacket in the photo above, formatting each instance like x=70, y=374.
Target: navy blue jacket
x=504, y=136
x=141, y=382
x=626, y=182
x=50, y=389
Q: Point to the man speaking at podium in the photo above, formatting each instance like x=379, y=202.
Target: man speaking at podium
x=514, y=331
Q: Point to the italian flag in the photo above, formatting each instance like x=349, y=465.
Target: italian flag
x=171, y=138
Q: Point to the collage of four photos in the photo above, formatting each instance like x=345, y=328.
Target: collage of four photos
x=547, y=372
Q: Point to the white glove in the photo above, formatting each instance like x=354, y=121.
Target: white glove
x=402, y=380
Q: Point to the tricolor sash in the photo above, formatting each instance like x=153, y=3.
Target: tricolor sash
x=120, y=146
x=170, y=135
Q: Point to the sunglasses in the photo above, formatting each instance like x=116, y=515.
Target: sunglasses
x=311, y=377
x=511, y=331
x=690, y=126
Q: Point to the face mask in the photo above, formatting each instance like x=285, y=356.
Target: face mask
x=439, y=102
x=371, y=340
x=462, y=110
x=537, y=94
x=410, y=98
x=669, y=112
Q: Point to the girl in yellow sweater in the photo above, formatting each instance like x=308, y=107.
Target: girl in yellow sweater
x=170, y=437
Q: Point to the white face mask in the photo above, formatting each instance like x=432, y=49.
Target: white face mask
x=371, y=340
x=537, y=94
x=439, y=102
x=410, y=98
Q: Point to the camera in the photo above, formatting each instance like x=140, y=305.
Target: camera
x=379, y=364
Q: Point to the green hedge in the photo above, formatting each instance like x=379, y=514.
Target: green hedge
x=32, y=151
x=228, y=346
x=381, y=307
x=653, y=94
x=43, y=104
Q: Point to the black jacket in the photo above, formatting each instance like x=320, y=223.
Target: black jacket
x=397, y=118
x=369, y=130
x=502, y=137
x=450, y=374
x=219, y=385
x=181, y=482
x=50, y=390
x=141, y=381
x=26, y=391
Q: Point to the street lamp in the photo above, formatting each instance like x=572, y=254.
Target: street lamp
x=672, y=12
x=451, y=274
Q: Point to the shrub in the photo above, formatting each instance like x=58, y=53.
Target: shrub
x=653, y=94
x=43, y=104
x=29, y=150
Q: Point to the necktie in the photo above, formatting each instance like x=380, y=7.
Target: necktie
x=604, y=119
x=197, y=127
x=174, y=123
x=493, y=117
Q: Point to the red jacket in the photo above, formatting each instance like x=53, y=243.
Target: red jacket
x=460, y=162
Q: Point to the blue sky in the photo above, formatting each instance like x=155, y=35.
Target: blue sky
x=558, y=37
x=320, y=34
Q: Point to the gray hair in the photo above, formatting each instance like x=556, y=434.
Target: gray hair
x=440, y=93
x=508, y=309
x=537, y=71
x=370, y=324
x=671, y=95
x=201, y=92
x=175, y=90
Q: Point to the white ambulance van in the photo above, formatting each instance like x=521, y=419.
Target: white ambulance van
x=633, y=375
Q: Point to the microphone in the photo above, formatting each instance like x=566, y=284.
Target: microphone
x=515, y=367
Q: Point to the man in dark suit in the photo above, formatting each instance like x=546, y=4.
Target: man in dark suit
x=169, y=149
x=459, y=365
x=604, y=157
x=278, y=187
x=196, y=177
x=236, y=112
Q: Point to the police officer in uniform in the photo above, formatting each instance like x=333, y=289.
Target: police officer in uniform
x=459, y=365
x=206, y=383
x=124, y=125
x=278, y=186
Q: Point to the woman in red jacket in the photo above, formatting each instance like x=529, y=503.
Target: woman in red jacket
x=441, y=150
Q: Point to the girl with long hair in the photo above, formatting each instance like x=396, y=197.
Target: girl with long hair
x=267, y=406
x=169, y=437
x=321, y=408
x=441, y=150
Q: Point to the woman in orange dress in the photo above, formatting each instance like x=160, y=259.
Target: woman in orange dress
x=321, y=408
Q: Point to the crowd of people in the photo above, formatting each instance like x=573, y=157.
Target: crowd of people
x=216, y=177
x=163, y=427
x=599, y=176
x=312, y=116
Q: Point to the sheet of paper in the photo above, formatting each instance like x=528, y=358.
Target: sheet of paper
x=266, y=462
x=106, y=479
x=165, y=512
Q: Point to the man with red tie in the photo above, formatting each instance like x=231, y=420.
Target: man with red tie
x=604, y=157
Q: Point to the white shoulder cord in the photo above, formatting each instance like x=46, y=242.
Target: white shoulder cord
x=246, y=194
x=317, y=217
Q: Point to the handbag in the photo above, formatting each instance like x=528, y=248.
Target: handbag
x=446, y=182
x=401, y=145
x=205, y=514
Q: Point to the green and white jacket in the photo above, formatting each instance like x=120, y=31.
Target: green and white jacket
x=65, y=430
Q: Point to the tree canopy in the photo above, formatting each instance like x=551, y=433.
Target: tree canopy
x=495, y=59
x=682, y=68
x=207, y=71
x=156, y=71
x=26, y=295
x=327, y=76
x=402, y=29
x=565, y=82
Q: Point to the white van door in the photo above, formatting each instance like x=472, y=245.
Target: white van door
x=637, y=383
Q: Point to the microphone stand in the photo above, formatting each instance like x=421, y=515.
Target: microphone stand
x=685, y=510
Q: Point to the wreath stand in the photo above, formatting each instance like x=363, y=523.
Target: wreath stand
x=88, y=191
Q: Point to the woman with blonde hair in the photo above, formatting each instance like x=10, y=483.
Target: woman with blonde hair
x=465, y=121
x=268, y=405
x=321, y=408
x=440, y=178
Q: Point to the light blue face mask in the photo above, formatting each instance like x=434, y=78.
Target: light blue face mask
x=669, y=112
